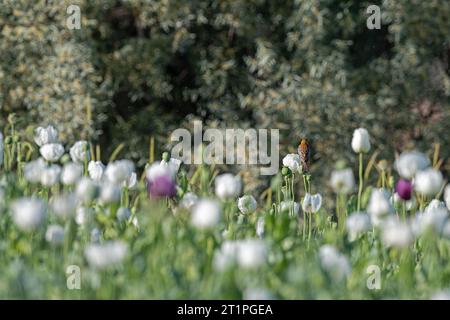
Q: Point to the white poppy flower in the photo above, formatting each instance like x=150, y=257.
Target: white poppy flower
x=428, y=182
x=28, y=213
x=343, y=181
x=71, y=173
x=119, y=172
x=173, y=163
x=435, y=204
x=252, y=253
x=334, y=263
x=379, y=206
x=110, y=193
x=247, y=204
x=83, y=215
x=157, y=170
x=396, y=234
x=80, y=151
x=45, y=136
x=225, y=256
x=52, y=151
x=312, y=203
x=50, y=175
x=109, y=254
x=33, y=170
x=189, y=200
x=54, y=235
x=227, y=186
x=64, y=206
x=206, y=214
x=86, y=190
x=361, y=141
x=356, y=224
x=95, y=170
x=432, y=219
x=292, y=161
x=411, y=162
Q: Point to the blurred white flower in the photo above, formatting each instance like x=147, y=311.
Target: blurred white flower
x=86, y=190
x=157, y=170
x=225, y=256
x=260, y=227
x=411, y=162
x=50, y=175
x=447, y=196
x=356, y=224
x=33, y=170
x=431, y=219
x=123, y=214
x=441, y=295
x=83, y=215
x=227, y=186
x=334, y=263
x=45, y=136
x=96, y=169
x=257, y=294
x=428, y=182
x=64, y=205
x=52, y=151
x=119, y=172
x=292, y=161
x=80, y=152
x=361, y=141
x=109, y=254
x=71, y=173
x=435, y=204
x=54, y=234
x=189, y=200
x=173, y=163
x=28, y=213
x=396, y=234
x=252, y=253
x=343, y=181
x=379, y=206
x=109, y=193
x=290, y=207
x=206, y=214
x=247, y=204
x=312, y=203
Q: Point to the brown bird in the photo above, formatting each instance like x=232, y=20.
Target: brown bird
x=304, y=153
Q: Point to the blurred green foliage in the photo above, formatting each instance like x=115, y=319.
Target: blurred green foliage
x=141, y=68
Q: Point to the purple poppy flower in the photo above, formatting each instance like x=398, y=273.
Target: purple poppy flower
x=161, y=187
x=404, y=189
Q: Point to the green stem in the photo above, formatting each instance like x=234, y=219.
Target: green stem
x=361, y=181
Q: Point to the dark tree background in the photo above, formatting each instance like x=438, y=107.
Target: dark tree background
x=142, y=68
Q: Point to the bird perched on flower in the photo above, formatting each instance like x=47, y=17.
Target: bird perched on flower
x=304, y=150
